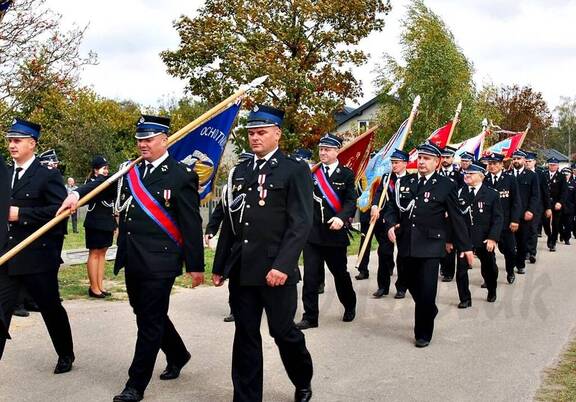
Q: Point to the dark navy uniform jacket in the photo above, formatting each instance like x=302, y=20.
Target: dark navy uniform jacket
x=509, y=197
x=145, y=250
x=100, y=213
x=483, y=214
x=557, y=187
x=38, y=194
x=256, y=238
x=421, y=213
x=529, y=191
x=342, y=181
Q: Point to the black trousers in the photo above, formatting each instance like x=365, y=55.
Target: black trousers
x=522, y=236
x=552, y=228
x=385, y=269
x=401, y=280
x=488, y=269
x=363, y=267
x=336, y=260
x=448, y=265
x=566, y=226
x=534, y=231
x=422, y=276
x=74, y=220
x=280, y=304
x=43, y=288
x=150, y=299
x=507, y=246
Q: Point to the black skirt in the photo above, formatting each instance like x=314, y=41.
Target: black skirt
x=96, y=239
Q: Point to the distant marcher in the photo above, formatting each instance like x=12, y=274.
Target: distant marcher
x=71, y=186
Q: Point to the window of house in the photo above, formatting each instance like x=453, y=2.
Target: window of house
x=363, y=125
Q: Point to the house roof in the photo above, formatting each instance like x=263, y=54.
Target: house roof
x=345, y=116
x=552, y=153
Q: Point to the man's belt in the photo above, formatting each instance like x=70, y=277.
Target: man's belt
x=152, y=208
x=327, y=191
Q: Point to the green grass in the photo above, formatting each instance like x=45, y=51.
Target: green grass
x=74, y=279
x=74, y=240
x=560, y=381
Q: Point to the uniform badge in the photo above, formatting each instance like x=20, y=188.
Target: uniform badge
x=273, y=162
x=426, y=196
x=480, y=206
x=337, y=170
x=164, y=168
x=167, y=195
x=433, y=181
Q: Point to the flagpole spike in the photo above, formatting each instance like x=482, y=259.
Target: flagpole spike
x=416, y=103
x=485, y=123
x=459, y=108
x=255, y=83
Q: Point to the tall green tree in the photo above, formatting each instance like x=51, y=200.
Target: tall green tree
x=563, y=138
x=434, y=67
x=36, y=53
x=306, y=47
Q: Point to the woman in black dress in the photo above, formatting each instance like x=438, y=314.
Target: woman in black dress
x=100, y=225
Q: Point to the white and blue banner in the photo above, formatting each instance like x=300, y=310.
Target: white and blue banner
x=202, y=148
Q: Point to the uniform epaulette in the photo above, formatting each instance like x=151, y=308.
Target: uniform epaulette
x=241, y=161
x=185, y=167
x=295, y=158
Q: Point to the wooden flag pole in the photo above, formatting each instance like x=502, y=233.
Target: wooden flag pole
x=454, y=122
x=524, y=136
x=171, y=140
x=384, y=194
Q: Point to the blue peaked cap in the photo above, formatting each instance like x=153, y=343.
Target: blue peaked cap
x=429, y=148
x=331, y=141
x=265, y=116
x=151, y=126
x=399, y=155
x=476, y=167
x=24, y=129
x=493, y=157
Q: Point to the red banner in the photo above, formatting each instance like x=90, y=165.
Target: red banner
x=438, y=137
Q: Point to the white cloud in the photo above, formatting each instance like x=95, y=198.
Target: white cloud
x=525, y=42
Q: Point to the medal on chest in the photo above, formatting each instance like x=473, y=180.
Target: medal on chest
x=426, y=196
x=480, y=206
x=167, y=196
x=262, y=192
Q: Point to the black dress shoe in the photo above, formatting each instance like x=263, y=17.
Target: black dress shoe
x=362, y=275
x=321, y=288
x=465, y=304
x=64, y=364
x=379, y=293
x=32, y=306
x=491, y=297
x=552, y=248
x=532, y=259
x=446, y=279
x=421, y=343
x=20, y=311
x=567, y=242
x=483, y=286
x=521, y=271
x=172, y=371
x=400, y=294
x=95, y=295
x=349, y=314
x=128, y=395
x=303, y=394
x=106, y=293
x=511, y=278
x=229, y=318
x=305, y=324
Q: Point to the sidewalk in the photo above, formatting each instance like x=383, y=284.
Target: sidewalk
x=491, y=352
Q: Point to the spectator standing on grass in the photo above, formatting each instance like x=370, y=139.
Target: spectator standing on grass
x=99, y=225
x=71, y=186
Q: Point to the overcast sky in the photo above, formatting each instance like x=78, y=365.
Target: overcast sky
x=526, y=42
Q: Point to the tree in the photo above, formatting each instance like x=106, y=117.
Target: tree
x=522, y=105
x=306, y=47
x=35, y=54
x=433, y=67
x=562, y=137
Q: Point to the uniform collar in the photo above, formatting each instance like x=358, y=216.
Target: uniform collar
x=266, y=157
x=158, y=161
x=25, y=165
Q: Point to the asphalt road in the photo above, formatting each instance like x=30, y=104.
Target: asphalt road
x=490, y=352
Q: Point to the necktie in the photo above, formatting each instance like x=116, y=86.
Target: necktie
x=493, y=179
x=16, y=176
x=516, y=173
x=472, y=193
x=421, y=182
x=259, y=163
x=326, y=171
x=147, y=168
